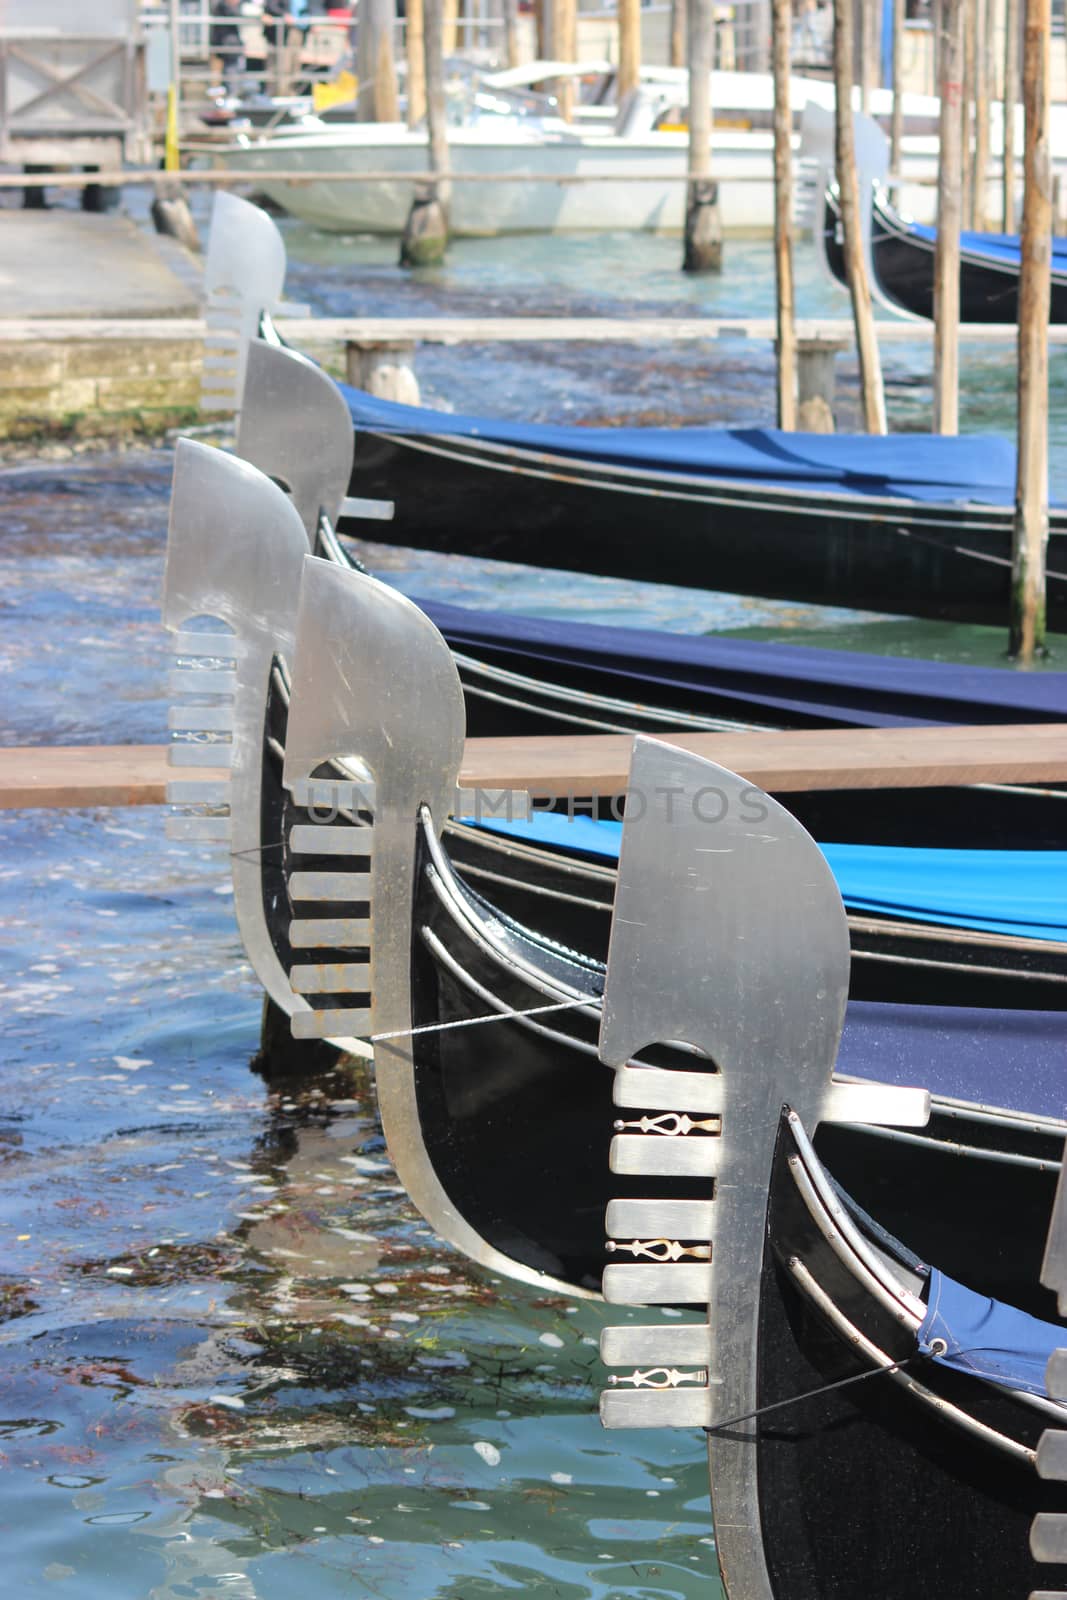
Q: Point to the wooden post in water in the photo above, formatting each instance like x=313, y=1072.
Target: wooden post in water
x=629, y=47
x=970, y=58
x=982, y=63
x=415, y=45
x=377, y=99
x=896, y=126
x=848, y=191
x=950, y=54
x=703, y=222
x=511, y=32
x=781, y=33
x=425, y=237
x=1031, y=485
x=1010, y=100
x=564, y=38
x=677, y=33
x=450, y=27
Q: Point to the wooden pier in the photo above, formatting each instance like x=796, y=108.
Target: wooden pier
x=580, y=765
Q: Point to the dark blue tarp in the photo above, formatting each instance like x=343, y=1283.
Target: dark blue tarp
x=1015, y=1060
x=914, y=466
x=986, y=1338
x=772, y=682
x=1018, y=893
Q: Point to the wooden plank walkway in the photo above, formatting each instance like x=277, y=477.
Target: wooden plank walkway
x=498, y=330
x=581, y=764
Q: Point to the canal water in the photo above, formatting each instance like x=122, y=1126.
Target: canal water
x=236, y=1364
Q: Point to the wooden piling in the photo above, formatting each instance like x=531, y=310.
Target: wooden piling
x=869, y=17
x=703, y=222
x=377, y=99
x=966, y=110
x=564, y=30
x=782, y=30
x=1010, y=100
x=449, y=26
x=629, y=47
x=510, y=10
x=816, y=382
x=848, y=192
x=677, y=33
x=896, y=126
x=1027, y=637
x=415, y=45
x=425, y=237
x=950, y=54
x=982, y=75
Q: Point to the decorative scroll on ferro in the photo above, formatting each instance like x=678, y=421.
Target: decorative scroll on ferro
x=1048, y=1532
x=728, y=936
x=235, y=551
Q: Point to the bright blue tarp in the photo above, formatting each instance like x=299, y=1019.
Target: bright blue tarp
x=1000, y=247
x=914, y=466
x=1013, y=892
x=988, y=1339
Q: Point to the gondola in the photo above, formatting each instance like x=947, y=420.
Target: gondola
x=524, y=675
x=902, y=260
x=899, y=251
x=828, y=1227
x=914, y=524
x=245, y=571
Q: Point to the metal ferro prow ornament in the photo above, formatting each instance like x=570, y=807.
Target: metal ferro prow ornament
x=235, y=550
x=729, y=937
x=1048, y=1532
x=375, y=741
x=295, y=426
x=244, y=274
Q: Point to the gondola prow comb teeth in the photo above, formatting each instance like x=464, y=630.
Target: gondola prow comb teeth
x=728, y=942
x=375, y=741
x=1048, y=1532
x=235, y=546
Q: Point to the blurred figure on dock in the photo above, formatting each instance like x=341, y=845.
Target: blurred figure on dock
x=226, y=44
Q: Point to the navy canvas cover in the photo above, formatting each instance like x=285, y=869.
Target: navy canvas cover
x=986, y=1338
x=771, y=681
x=915, y=466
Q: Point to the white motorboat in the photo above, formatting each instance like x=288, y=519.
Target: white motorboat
x=627, y=175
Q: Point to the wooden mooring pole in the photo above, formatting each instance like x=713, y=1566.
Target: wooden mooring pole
x=896, y=125
x=677, y=33
x=1010, y=100
x=564, y=41
x=872, y=392
x=415, y=45
x=950, y=53
x=966, y=112
x=511, y=32
x=376, y=99
x=982, y=75
x=782, y=30
x=425, y=236
x=1027, y=637
x=703, y=222
x=629, y=47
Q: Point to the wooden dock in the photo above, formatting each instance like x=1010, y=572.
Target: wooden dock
x=580, y=765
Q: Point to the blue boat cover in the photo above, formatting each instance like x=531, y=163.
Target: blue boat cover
x=986, y=1338
x=1015, y=1060
x=1019, y=893
x=1000, y=247
x=765, y=681
x=916, y=466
